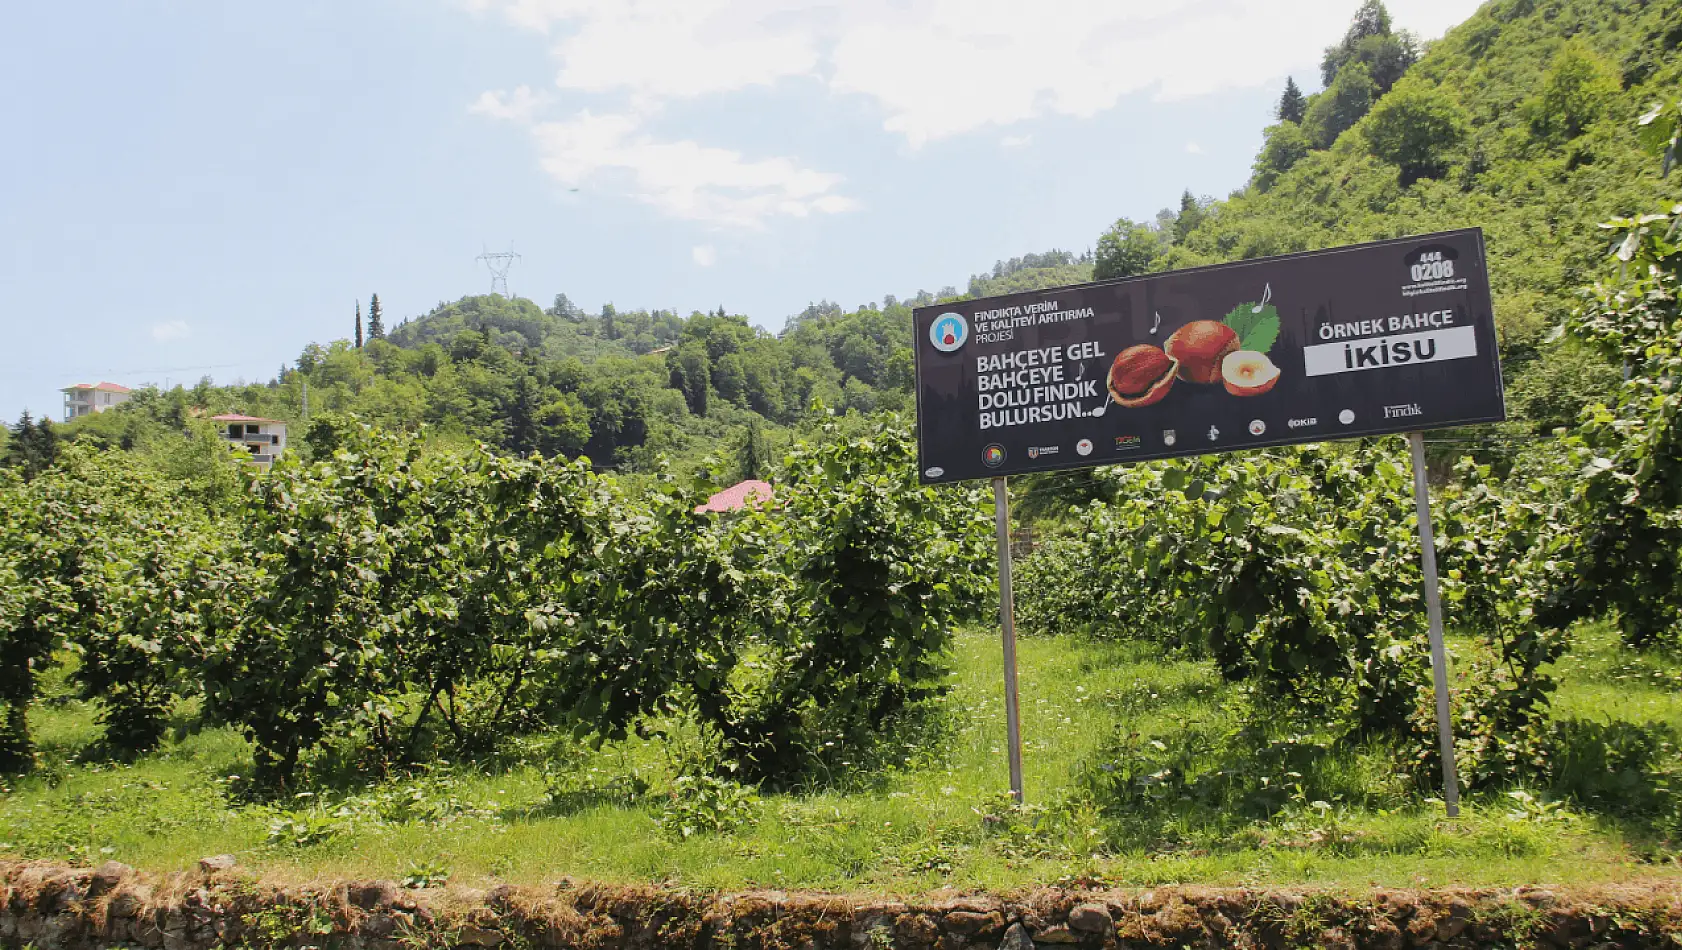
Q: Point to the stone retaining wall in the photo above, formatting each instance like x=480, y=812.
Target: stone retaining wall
x=54, y=907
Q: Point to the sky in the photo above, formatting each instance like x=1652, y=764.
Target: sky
x=196, y=188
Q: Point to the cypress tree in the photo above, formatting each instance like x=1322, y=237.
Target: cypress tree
x=748, y=461
x=1292, y=103
x=359, y=324
x=376, y=326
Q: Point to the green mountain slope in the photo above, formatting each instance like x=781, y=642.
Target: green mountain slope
x=1519, y=121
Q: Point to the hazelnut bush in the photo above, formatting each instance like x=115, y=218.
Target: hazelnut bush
x=1297, y=572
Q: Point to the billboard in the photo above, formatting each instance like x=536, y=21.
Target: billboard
x=1376, y=338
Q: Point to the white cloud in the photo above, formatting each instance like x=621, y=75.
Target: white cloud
x=1015, y=141
x=940, y=68
x=517, y=106
x=1194, y=148
x=171, y=330
x=705, y=255
x=683, y=178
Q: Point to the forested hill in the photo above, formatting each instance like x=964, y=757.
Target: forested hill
x=1521, y=121
x=623, y=387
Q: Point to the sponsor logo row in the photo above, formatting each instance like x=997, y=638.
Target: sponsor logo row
x=995, y=454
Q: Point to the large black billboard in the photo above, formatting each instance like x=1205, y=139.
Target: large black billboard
x=1377, y=338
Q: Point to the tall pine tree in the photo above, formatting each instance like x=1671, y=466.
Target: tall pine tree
x=1292, y=104
x=1191, y=214
x=34, y=446
x=359, y=324
x=376, y=326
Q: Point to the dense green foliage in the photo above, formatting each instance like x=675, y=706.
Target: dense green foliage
x=1628, y=494
x=1292, y=570
x=392, y=603
x=98, y=554
x=1130, y=775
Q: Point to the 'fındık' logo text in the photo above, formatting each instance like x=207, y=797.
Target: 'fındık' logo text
x=950, y=331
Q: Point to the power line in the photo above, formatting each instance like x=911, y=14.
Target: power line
x=84, y=371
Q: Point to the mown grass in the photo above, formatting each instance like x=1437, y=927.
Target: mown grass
x=937, y=817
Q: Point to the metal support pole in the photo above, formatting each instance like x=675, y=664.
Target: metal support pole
x=1007, y=621
x=1434, y=615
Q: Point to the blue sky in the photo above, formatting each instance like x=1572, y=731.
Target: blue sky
x=194, y=187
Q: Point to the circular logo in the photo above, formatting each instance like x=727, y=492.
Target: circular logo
x=1257, y=427
x=1346, y=416
x=1083, y=447
x=949, y=331
x=993, y=455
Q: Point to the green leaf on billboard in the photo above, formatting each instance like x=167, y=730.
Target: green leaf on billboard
x=1257, y=326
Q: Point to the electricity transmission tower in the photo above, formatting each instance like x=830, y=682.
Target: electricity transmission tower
x=499, y=263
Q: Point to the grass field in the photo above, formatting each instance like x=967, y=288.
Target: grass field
x=937, y=818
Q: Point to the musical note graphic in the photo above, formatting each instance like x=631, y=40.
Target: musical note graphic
x=1267, y=294
x=1158, y=323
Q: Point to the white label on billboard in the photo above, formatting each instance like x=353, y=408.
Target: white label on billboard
x=1383, y=352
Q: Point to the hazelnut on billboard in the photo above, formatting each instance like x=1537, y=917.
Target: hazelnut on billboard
x=1141, y=375
x=1200, y=346
x=1248, y=373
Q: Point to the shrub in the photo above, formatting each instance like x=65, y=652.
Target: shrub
x=1627, y=503
x=81, y=546
x=1576, y=91
x=1415, y=127
x=315, y=639
x=1285, y=144
x=1295, y=569
x=704, y=804
x=1127, y=249
x=1341, y=105
x=861, y=575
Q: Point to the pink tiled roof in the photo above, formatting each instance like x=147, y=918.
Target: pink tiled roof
x=102, y=387
x=739, y=496
x=236, y=417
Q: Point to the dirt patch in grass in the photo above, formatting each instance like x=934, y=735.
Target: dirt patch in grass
x=56, y=906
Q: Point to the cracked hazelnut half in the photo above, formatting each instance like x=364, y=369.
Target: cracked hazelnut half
x=1141, y=375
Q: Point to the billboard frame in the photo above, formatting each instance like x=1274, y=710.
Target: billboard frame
x=1421, y=499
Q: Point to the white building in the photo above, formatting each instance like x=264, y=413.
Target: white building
x=83, y=399
x=265, y=439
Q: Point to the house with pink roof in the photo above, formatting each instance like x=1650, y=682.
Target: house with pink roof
x=85, y=399
x=750, y=493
